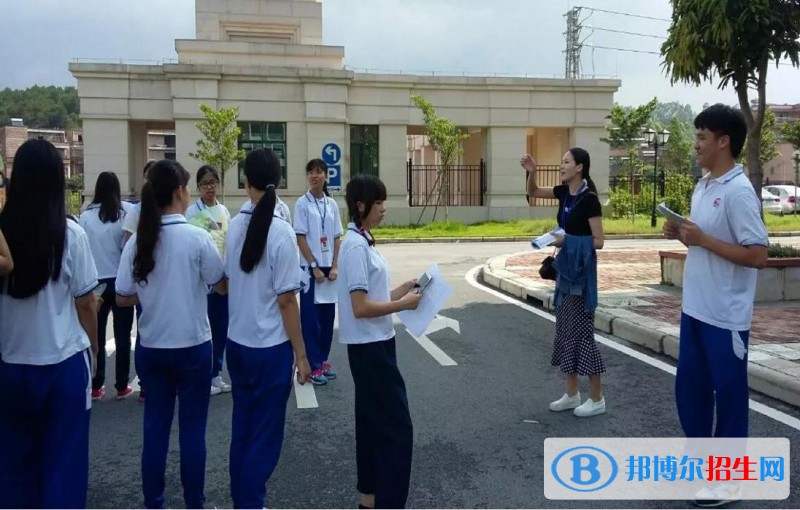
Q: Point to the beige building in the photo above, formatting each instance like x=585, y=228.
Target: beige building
x=296, y=97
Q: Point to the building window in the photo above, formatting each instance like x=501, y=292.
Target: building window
x=266, y=135
x=364, y=150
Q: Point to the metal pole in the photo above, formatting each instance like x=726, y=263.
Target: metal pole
x=796, y=172
x=655, y=183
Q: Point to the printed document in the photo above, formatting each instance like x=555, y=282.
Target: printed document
x=434, y=297
x=547, y=239
x=669, y=214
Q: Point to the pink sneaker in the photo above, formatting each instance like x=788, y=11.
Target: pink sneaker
x=318, y=378
x=121, y=395
x=98, y=393
x=328, y=372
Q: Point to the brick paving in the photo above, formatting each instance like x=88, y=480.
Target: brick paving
x=637, y=274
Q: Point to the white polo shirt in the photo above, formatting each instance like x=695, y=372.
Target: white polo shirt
x=131, y=222
x=219, y=212
x=173, y=299
x=254, y=315
x=716, y=291
x=105, y=239
x=317, y=218
x=281, y=209
x=362, y=267
x=44, y=329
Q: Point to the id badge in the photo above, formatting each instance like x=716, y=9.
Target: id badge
x=323, y=242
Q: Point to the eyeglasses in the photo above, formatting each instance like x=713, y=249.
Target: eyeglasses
x=208, y=184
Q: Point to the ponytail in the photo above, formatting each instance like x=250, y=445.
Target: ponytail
x=591, y=185
x=146, y=234
x=262, y=171
x=163, y=178
x=257, y=231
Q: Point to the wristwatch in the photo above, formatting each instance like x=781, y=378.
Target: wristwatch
x=314, y=264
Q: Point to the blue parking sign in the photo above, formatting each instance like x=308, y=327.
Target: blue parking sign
x=332, y=155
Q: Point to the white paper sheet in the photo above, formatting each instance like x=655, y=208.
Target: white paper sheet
x=433, y=300
x=546, y=240
x=304, y=394
x=669, y=214
x=326, y=292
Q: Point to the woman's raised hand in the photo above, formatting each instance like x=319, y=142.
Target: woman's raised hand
x=528, y=163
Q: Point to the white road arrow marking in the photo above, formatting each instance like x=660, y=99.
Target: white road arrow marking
x=437, y=324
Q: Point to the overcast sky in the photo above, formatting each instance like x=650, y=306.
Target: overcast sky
x=38, y=38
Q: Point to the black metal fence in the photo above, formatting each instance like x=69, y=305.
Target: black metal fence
x=466, y=187
x=547, y=176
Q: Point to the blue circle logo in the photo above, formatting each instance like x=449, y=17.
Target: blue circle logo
x=584, y=469
x=331, y=153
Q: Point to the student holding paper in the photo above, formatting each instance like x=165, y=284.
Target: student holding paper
x=727, y=243
x=384, y=433
x=579, y=214
x=319, y=236
x=265, y=339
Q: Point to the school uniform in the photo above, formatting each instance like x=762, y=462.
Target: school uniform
x=717, y=310
x=384, y=432
x=319, y=222
x=45, y=387
x=106, y=242
x=130, y=225
x=174, y=355
x=282, y=210
x=260, y=356
x=217, y=303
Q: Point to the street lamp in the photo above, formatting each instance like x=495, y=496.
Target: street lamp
x=796, y=158
x=655, y=139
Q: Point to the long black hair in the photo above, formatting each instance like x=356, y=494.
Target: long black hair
x=163, y=178
x=263, y=172
x=364, y=188
x=581, y=157
x=34, y=218
x=322, y=165
x=107, y=193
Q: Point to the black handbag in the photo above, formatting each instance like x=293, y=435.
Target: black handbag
x=547, y=271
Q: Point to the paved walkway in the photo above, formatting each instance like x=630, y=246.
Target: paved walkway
x=633, y=305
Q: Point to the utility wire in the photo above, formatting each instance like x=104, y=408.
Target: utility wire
x=623, y=49
x=625, y=33
x=626, y=14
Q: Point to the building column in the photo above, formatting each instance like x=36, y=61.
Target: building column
x=588, y=138
x=392, y=161
x=505, y=179
x=106, y=147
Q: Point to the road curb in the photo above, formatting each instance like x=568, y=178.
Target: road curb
x=651, y=334
x=513, y=239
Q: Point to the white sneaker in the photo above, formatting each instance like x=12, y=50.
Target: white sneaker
x=590, y=408
x=718, y=495
x=215, y=390
x=566, y=402
x=217, y=382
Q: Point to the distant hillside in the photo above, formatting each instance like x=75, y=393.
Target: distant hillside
x=41, y=107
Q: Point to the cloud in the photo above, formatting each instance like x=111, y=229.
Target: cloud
x=502, y=37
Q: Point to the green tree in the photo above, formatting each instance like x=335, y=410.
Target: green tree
x=677, y=155
x=219, y=145
x=445, y=138
x=41, y=107
x=791, y=133
x=667, y=112
x=625, y=133
x=734, y=40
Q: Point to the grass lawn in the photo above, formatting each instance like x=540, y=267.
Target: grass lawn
x=539, y=226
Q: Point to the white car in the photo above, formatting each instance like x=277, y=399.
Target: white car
x=787, y=195
x=771, y=203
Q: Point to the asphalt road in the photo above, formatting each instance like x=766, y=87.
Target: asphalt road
x=479, y=426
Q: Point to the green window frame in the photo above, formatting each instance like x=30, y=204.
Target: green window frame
x=264, y=135
x=364, y=150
